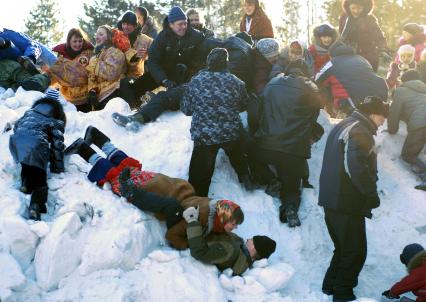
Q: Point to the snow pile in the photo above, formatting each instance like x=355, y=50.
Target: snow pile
x=94, y=246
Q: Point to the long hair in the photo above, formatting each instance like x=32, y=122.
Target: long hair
x=78, y=33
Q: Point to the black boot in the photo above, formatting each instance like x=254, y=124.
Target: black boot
x=95, y=136
x=38, y=203
x=306, y=184
x=289, y=215
x=81, y=148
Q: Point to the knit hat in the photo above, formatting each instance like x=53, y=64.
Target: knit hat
x=410, y=75
x=217, y=60
x=176, y=14
x=130, y=18
x=52, y=94
x=407, y=48
x=264, y=246
x=413, y=28
x=268, y=47
x=409, y=252
x=374, y=105
x=297, y=67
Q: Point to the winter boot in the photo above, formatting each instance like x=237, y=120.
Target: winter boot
x=306, y=184
x=289, y=215
x=38, y=203
x=273, y=188
x=95, y=136
x=81, y=148
x=131, y=122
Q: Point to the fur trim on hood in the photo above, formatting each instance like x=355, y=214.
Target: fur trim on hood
x=316, y=38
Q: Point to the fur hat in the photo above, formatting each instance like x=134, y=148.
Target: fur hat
x=374, y=105
x=268, y=47
x=410, y=251
x=176, y=14
x=264, y=246
x=217, y=60
x=413, y=28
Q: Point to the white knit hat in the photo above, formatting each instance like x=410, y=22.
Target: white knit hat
x=407, y=48
x=268, y=47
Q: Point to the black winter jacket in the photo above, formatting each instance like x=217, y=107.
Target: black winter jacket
x=349, y=168
x=289, y=107
x=168, y=50
x=240, y=59
x=38, y=137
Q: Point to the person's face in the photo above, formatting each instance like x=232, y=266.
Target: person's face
x=141, y=20
x=128, y=28
x=251, y=249
x=230, y=226
x=249, y=9
x=295, y=53
x=326, y=40
x=407, y=58
x=76, y=43
x=377, y=119
x=194, y=20
x=406, y=35
x=179, y=27
x=356, y=10
x=101, y=36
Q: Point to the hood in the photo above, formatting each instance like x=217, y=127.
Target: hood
x=368, y=6
x=341, y=49
x=418, y=260
x=329, y=28
x=416, y=85
x=50, y=108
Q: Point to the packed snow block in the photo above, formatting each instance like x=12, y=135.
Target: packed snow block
x=273, y=277
x=21, y=240
x=59, y=252
x=11, y=276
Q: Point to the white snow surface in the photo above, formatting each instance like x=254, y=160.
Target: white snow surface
x=94, y=246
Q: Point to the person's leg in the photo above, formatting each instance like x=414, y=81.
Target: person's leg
x=84, y=108
x=38, y=182
x=413, y=145
x=132, y=89
x=236, y=157
x=201, y=168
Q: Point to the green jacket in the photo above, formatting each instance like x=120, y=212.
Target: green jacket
x=225, y=250
x=409, y=105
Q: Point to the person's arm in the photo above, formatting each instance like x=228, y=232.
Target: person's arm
x=323, y=75
x=57, y=148
x=244, y=98
x=27, y=46
x=176, y=235
x=408, y=283
x=111, y=66
x=156, y=54
x=395, y=113
x=187, y=103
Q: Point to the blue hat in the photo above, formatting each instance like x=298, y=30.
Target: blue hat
x=176, y=14
x=410, y=251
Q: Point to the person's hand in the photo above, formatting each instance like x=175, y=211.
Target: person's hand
x=142, y=53
x=169, y=84
x=191, y=214
x=388, y=295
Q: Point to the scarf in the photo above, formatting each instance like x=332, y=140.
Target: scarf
x=224, y=210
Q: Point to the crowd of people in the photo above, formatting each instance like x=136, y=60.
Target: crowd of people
x=282, y=89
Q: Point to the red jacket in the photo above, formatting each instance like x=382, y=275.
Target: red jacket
x=320, y=59
x=63, y=50
x=416, y=279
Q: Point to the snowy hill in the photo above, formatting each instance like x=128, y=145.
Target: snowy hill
x=94, y=246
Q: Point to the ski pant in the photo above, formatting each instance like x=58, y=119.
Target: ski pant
x=203, y=162
x=33, y=177
x=132, y=89
x=350, y=251
x=413, y=145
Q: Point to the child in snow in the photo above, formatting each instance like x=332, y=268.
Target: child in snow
x=38, y=140
x=414, y=258
x=153, y=192
x=404, y=62
x=324, y=36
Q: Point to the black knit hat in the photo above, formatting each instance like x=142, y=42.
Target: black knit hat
x=410, y=251
x=297, y=67
x=217, y=60
x=129, y=18
x=374, y=105
x=413, y=28
x=264, y=246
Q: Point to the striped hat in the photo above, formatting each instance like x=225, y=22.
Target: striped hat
x=52, y=94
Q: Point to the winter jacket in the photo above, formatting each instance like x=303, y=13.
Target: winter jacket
x=20, y=45
x=350, y=76
x=39, y=137
x=66, y=52
x=168, y=50
x=13, y=75
x=289, y=108
x=409, y=105
x=416, y=279
x=394, y=73
x=319, y=52
x=207, y=32
x=421, y=68
x=149, y=28
x=363, y=33
x=262, y=71
x=349, y=168
x=215, y=99
x=225, y=250
x=240, y=59
x=71, y=74
x=106, y=69
x=261, y=26
x=284, y=59
x=418, y=42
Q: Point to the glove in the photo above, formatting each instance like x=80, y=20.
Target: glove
x=92, y=99
x=388, y=295
x=373, y=201
x=191, y=214
x=127, y=187
x=169, y=84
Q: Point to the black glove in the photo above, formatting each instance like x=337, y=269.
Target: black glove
x=92, y=99
x=169, y=84
x=388, y=295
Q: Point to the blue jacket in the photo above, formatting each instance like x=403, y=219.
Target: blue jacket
x=349, y=168
x=20, y=45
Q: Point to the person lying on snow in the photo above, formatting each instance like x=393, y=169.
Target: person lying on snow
x=171, y=195
x=414, y=258
x=225, y=250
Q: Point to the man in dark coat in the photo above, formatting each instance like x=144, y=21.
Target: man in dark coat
x=350, y=78
x=409, y=105
x=38, y=140
x=289, y=108
x=225, y=250
x=174, y=57
x=348, y=193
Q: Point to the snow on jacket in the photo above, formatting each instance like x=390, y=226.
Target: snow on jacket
x=261, y=26
x=168, y=50
x=215, y=99
x=106, y=69
x=240, y=59
x=363, y=33
x=409, y=105
x=225, y=250
x=71, y=74
x=318, y=52
x=289, y=108
x=349, y=168
x=20, y=45
x=350, y=76
x=394, y=73
x=39, y=138
x=416, y=279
